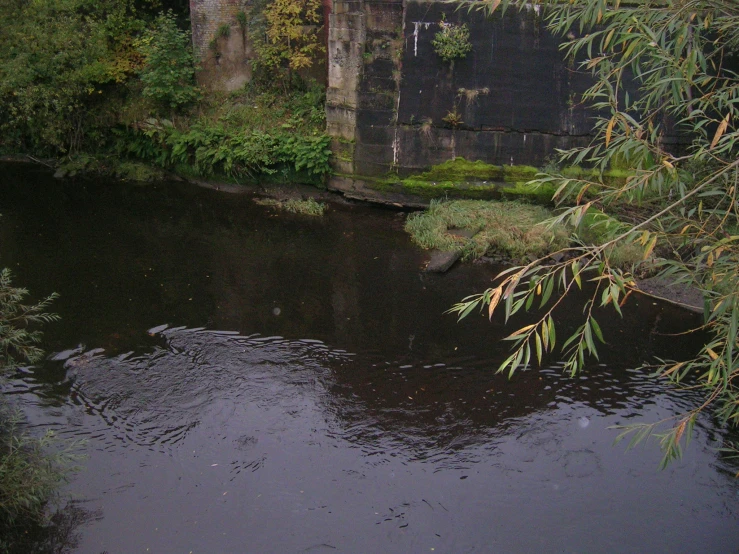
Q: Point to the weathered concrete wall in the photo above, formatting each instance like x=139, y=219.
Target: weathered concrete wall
x=389, y=92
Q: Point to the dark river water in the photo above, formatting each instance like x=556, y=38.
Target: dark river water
x=253, y=381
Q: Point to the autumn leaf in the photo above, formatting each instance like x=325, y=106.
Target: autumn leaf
x=720, y=131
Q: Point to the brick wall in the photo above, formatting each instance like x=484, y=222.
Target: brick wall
x=207, y=16
x=225, y=62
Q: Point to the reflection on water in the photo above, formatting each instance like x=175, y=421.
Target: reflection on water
x=61, y=534
x=255, y=382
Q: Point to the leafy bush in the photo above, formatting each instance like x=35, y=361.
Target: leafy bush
x=29, y=476
x=168, y=74
x=53, y=62
x=17, y=340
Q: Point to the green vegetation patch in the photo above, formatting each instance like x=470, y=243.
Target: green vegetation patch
x=513, y=229
x=255, y=135
x=30, y=475
x=295, y=205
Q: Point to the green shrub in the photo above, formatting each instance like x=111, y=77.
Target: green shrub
x=29, y=476
x=53, y=63
x=18, y=342
x=215, y=150
x=168, y=74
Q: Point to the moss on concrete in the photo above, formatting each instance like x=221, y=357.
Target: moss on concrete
x=539, y=194
x=519, y=173
x=459, y=170
x=460, y=178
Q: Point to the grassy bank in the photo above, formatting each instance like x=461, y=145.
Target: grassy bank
x=511, y=229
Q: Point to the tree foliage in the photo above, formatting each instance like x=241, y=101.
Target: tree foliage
x=70, y=68
x=292, y=41
x=682, y=56
x=51, y=61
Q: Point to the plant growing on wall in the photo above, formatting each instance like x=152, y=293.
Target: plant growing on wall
x=453, y=118
x=452, y=41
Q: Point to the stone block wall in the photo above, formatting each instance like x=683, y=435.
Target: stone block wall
x=364, y=46
x=207, y=16
x=390, y=96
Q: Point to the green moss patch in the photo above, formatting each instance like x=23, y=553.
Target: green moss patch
x=463, y=179
x=460, y=178
x=519, y=173
x=459, y=170
x=540, y=194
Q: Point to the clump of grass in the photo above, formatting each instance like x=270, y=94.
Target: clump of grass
x=295, y=205
x=509, y=228
x=223, y=31
x=471, y=94
x=426, y=127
